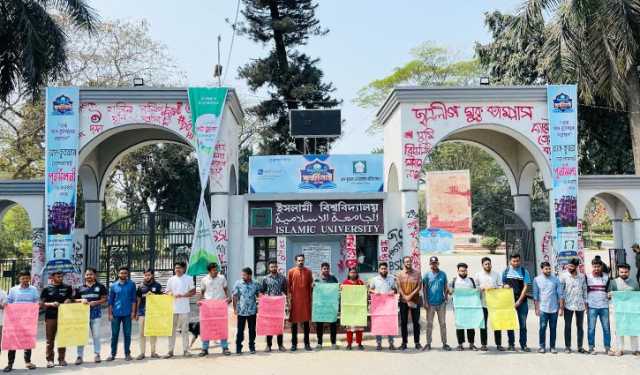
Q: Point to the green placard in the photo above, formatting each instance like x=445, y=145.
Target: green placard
x=626, y=306
x=353, y=305
x=468, y=309
x=326, y=297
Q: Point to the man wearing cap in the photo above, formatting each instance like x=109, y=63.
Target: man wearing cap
x=435, y=301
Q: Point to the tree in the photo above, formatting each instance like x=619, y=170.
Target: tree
x=32, y=43
x=595, y=43
x=291, y=78
x=15, y=233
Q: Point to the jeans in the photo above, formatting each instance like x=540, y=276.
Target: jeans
x=497, y=335
x=333, y=329
x=550, y=319
x=379, y=340
x=51, y=328
x=568, y=317
x=603, y=315
x=142, y=342
x=279, y=339
x=523, y=311
x=181, y=323
x=12, y=356
x=224, y=344
x=294, y=333
x=94, y=328
x=251, y=322
x=404, y=322
x=125, y=321
x=471, y=336
x=441, y=310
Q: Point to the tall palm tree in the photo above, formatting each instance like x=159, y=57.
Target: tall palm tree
x=32, y=44
x=595, y=43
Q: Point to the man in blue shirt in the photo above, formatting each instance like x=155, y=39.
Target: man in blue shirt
x=22, y=293
x=122, y=309
x=245, y=307
x=549, y=302
x=435, y=301
x=518, y=279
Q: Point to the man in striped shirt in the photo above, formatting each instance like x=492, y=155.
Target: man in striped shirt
x=598, y=306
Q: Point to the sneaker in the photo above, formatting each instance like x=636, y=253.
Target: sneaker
x=226, y=352
x=473, y=347
x=392, y=347
x=446, y=348
x=155, y=355
x=128, y=357
x=294, y=348
x=592, y=351
x=426, y=348
x=78, y=361
x=553, y=351
x=281, y=348
x=403, y=347
x=511, y=348
x=50, y=364
x=62, y=363
x=8, y=368
x=484, y=348
x=636, y=353
x=318, y=347
x=500, y=348
x=581, y=351
x=458, y=348
x=267, y=349
x=307, y=347
x=238, y=352
x=252, y=351
x=97, y=359
x=378, y=346
x=186, y=354
x=541, y=351
x=30, y=366
x=525, y=349
x=567, y=350
x=348, y=347
x=168, y=355
x=111, y=358
x=360, y=347
x=418, y=346
x=203, y=353
x=140, y=357
x=335, y=347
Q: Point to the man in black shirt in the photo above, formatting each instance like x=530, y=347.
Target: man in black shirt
x=326, y=277
x=93, y=294
x=50, y=298
x=148, y=285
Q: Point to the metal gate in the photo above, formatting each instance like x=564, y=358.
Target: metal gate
x=518, y=238
x=148, y=240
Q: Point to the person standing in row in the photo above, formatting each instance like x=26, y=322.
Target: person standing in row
x=488, y=279
x=300, y=281
x=518, y=279
x=181, y=287
x=3, y=303
x=214, y=287
x=274, y=284
x=383, y=283
x=122, y=309
x=353, y=278
x=245, y=292
x=409, y=284
x=51, y=298
x=598, y=306
x=435, y=301
x=636, y=251
x=94, y=294
x=24, y=292
x=624, y=283
x=462, y=281
x=326, y=277
x=574, y=288
x=548, y=300
x=148, y=286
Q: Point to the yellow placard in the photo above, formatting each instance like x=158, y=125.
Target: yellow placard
x=158, y=319
x=502, y=312
x=73, y=325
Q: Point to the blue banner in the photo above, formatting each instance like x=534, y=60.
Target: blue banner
x=316, y=173
x=562, y=101
x=62, y=115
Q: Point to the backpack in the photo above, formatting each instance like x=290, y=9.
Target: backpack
x=453, y=283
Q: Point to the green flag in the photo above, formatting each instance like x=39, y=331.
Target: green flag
x=326, y=298
x=353, y=305
x=626, y=306
x=468, y=309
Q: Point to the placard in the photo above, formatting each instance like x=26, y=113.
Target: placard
x=326, y=299
x=270, y=320
x=158, y=319
x=468, y=308
x=20, y=326
x=502, y=312
x=353, y=306
x=384, y=314
x=214, y=319
x=73, y=325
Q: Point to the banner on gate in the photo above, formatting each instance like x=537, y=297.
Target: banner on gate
x=20, y=326
x=62, y=118
x=270, y=320
x=214, y=317
x=468, y=309
x=502, y=313
x=384, y=314
x=73, y=325
x=158, y=320
x=326, y=299
x=353, y=305
x=207, y=106
x=626, y=306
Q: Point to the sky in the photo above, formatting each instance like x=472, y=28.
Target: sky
x=367, y=40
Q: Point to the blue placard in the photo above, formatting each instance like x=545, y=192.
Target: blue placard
x=316, y=173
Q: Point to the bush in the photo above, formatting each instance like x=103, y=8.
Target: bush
x=491, y=243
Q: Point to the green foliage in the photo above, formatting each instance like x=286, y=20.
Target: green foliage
x=15, y=234
x=491, y=243
x=291, y=79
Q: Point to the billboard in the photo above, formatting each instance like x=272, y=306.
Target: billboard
x=316, y=173
x=449, y=201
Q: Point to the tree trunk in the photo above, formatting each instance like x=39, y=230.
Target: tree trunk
x=633, y=97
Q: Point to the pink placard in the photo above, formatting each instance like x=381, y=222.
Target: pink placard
x=20, y=326
x=384, y=315
x=214, y=324
x=270, y=315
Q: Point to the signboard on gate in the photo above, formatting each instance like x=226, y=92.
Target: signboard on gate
x=316, y=173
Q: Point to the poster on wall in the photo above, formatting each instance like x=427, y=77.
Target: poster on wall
x=316, y=173
x=449, y=201
x=61, y=163
x=562, y=101
x=207, y=105
x=315, y=255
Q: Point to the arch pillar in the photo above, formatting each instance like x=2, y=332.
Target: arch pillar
x=410, y=226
